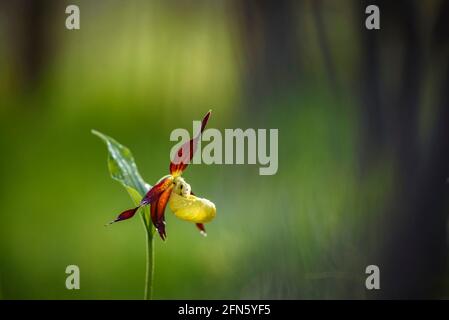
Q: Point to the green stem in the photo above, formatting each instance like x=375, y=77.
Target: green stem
x=149, y=269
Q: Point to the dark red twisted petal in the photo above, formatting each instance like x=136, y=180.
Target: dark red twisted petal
x=187, y=151
x=153, y=212
x=125, y=215
x=158, y=210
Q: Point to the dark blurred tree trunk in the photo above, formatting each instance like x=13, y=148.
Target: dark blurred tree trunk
x=390, y=114
x=268, y=33
x=28, y=27
x=414, y=249
x=320, y=25
x=372, y=115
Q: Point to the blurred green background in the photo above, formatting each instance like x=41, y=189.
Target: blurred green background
x=359, y=114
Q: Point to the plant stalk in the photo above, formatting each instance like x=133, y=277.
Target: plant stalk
x=149, y=268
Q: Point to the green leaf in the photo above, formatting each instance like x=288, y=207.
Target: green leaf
x=123, y=168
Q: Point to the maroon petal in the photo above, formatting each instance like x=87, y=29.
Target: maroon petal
x=187, y=151
x=158, y=211
x=125, y=215
x=159, y=225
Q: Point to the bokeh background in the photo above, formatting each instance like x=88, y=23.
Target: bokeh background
x=363, y=147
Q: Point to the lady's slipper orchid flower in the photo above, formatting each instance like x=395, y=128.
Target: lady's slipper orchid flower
x=175, y=191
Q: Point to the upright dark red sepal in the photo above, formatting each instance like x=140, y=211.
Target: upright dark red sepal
x=185, y=154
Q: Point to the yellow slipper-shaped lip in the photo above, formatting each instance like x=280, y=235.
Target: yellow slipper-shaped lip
x=191, y=208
